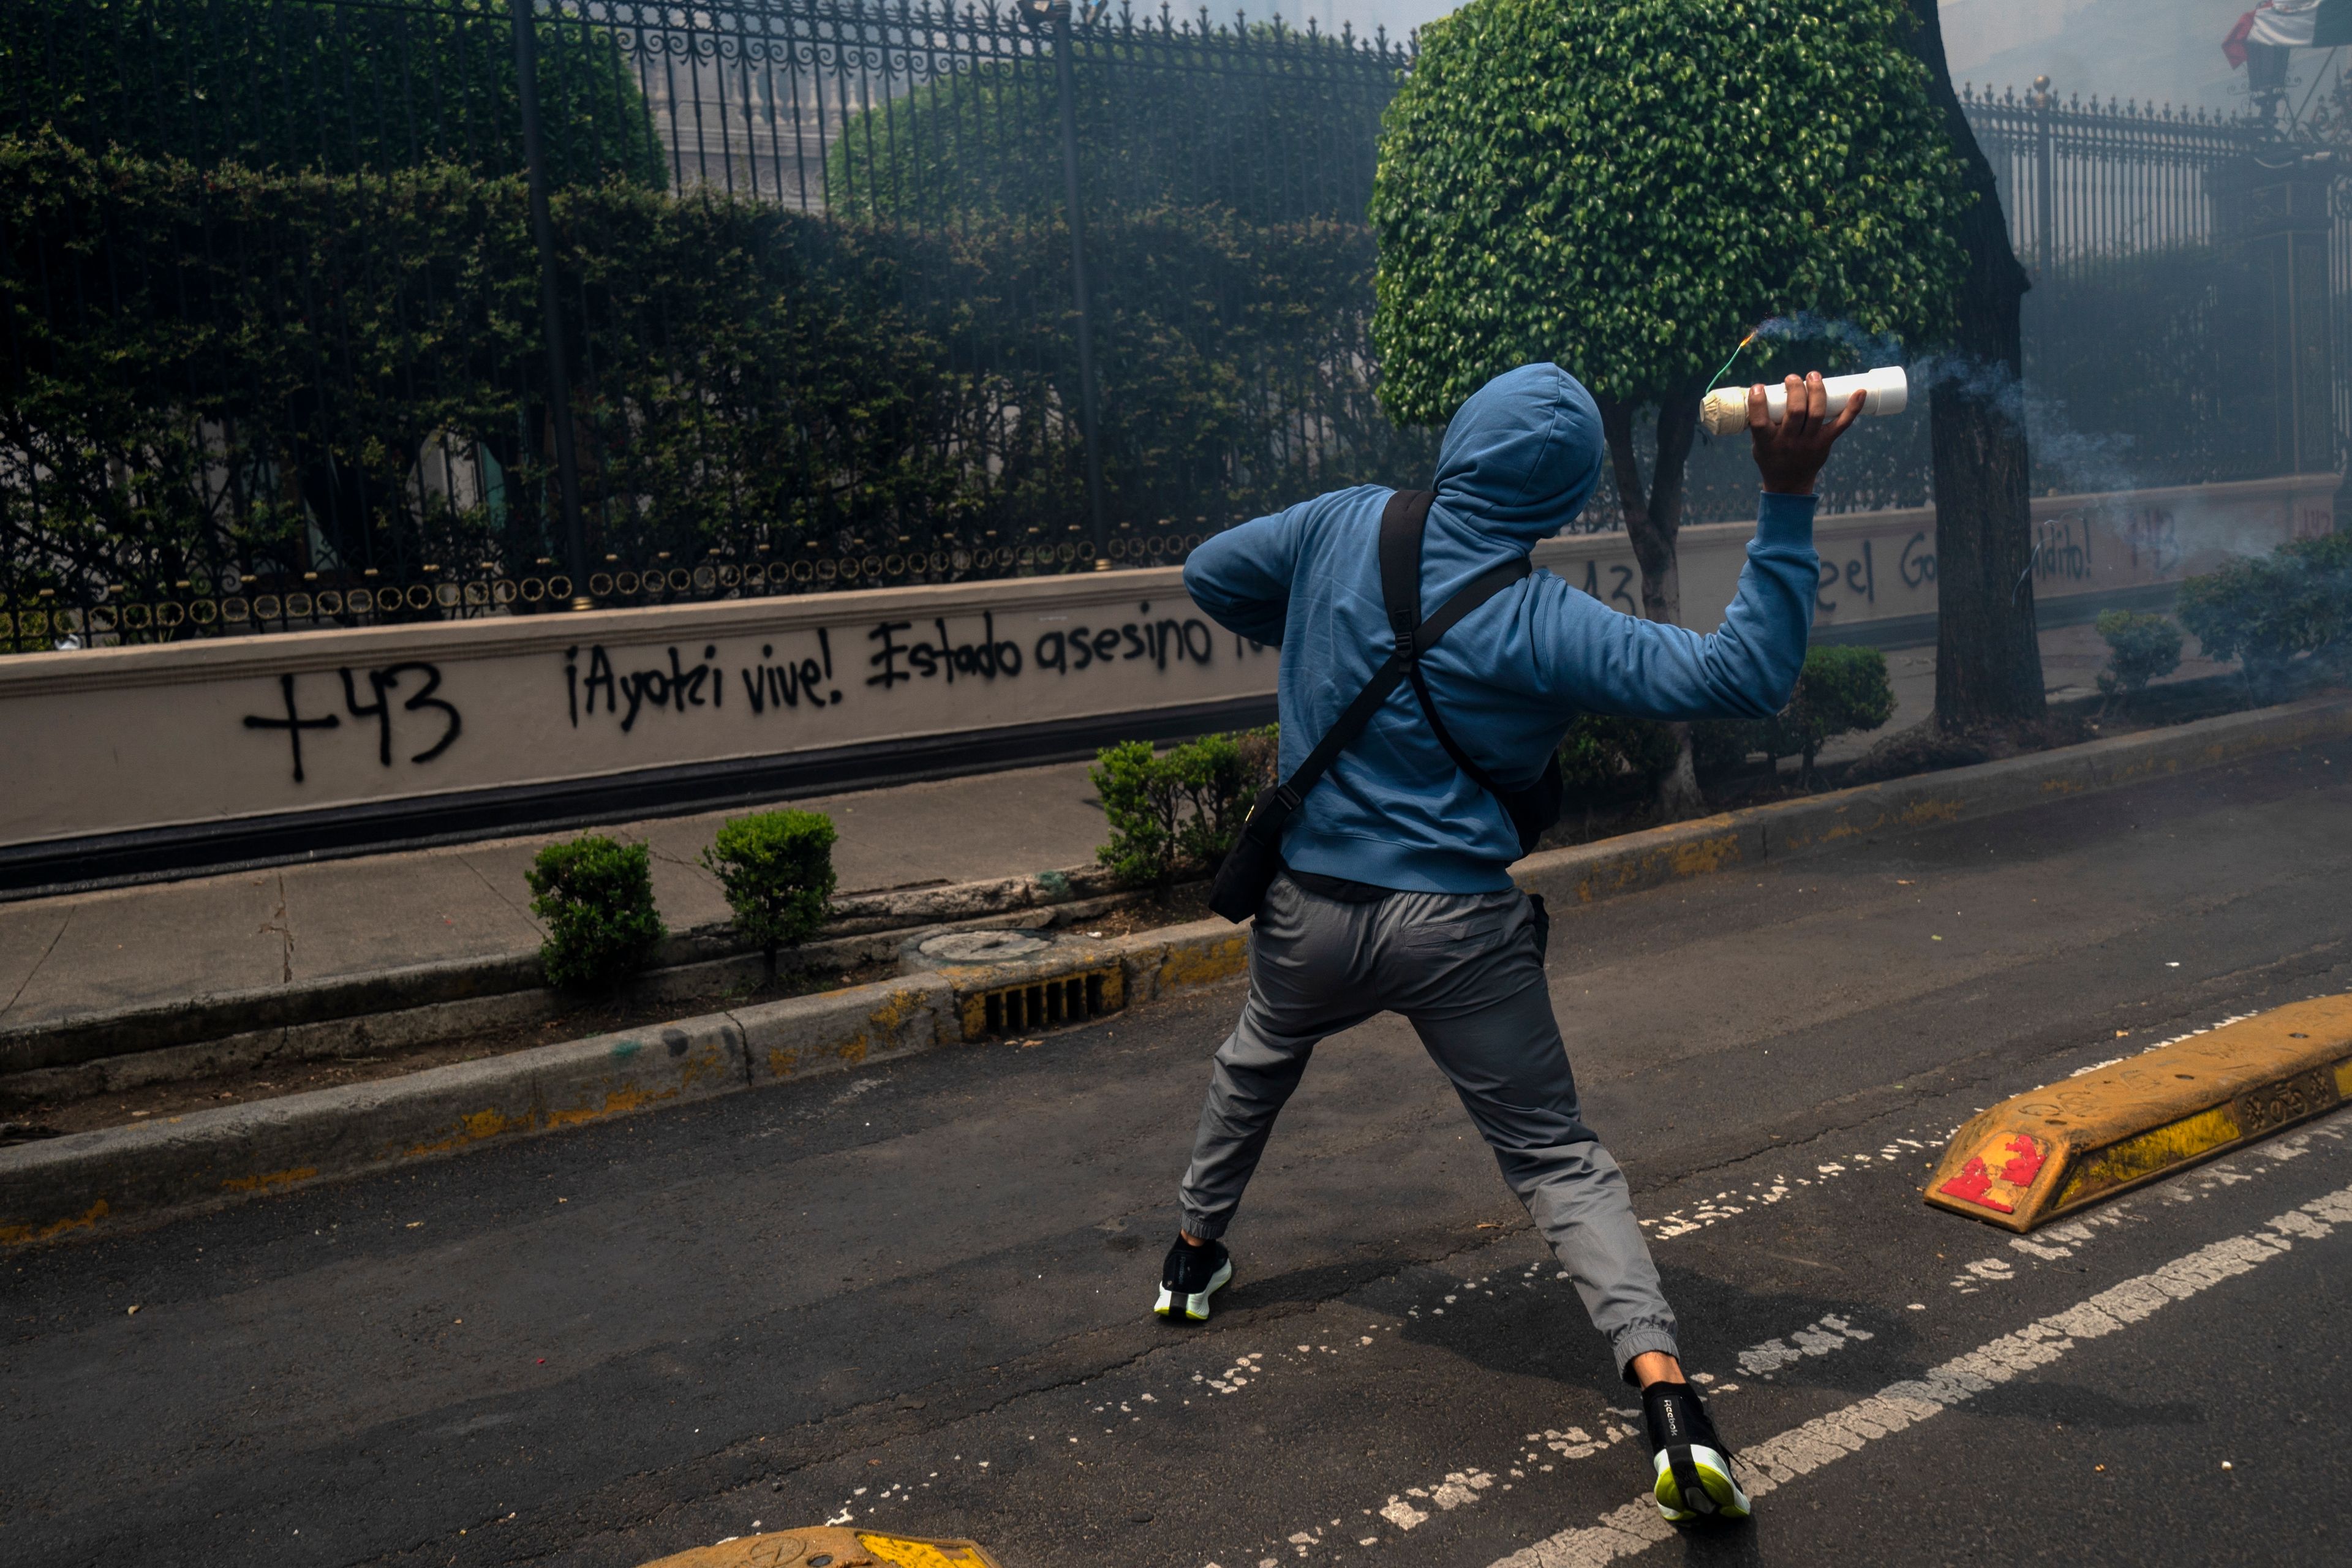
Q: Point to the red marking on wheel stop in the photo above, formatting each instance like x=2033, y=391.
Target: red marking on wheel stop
x=1999, y=1186
x=2026, y=1156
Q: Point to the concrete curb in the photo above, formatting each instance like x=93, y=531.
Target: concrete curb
x=428, y=1003
x=1636, y=861
x=85, y=1181
x=210, y=1157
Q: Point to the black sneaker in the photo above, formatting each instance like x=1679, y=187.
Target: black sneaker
x=1190, y=1276
x=1692, y=1464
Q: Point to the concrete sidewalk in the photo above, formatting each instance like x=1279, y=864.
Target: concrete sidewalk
x=84, y=954
x=126, y=947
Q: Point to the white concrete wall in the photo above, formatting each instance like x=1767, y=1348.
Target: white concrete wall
x=1880, y=566
x=106, y=741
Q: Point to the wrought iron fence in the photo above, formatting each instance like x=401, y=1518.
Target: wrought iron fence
x=316, y=316
x=2136, y=322
x=2136, y=333
x=825, y=291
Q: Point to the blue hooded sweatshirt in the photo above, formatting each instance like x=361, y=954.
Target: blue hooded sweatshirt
x=1517, y=464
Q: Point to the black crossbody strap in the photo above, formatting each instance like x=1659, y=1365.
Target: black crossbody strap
x=1400, y=527
x=1348, y=725
x=1400, y=588
x=1478, y=775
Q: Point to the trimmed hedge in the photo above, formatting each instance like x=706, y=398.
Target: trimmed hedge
x=1605, y=759
x=596, y=896
x=216, y=370
x=1180, y=809
x=776, y=870
x=1838, y=691
x=2140, y=648
x=2269, y=611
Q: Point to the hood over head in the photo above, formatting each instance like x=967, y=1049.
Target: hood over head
x=1522, y=455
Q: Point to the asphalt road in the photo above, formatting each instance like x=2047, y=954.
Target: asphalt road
x=918, y=1295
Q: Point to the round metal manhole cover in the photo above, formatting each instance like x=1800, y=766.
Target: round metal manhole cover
x=984, y=946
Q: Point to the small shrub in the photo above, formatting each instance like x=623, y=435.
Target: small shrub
x=1221, y=775
x=1721, y=747
x=1610, y=759
x=1178, y=809
x=776, y=869
x=596, y=898
x=2266, y=611
x=2140, y=648
x=1841, y=691
x=1141, y=802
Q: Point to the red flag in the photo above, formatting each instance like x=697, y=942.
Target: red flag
x=2234, y=45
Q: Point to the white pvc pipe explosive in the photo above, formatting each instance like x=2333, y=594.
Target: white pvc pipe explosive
x=1888, y=389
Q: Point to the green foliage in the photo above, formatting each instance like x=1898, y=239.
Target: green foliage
x=1158, y=125
x=1721, y=747
x=284, y=366
x=1178, y=809
x=332, y=88
x=1605, y=759
x=1838, y=691
x=776, y=869
x=596, y=896
x=1841, y=691
x=2266, y=611
x=1626, y=186
x=227, y=371
x=2140, y=648
x=1211, y=335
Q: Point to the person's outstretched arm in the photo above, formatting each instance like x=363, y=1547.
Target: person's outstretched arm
x=1241, y=578
x=1602, y=661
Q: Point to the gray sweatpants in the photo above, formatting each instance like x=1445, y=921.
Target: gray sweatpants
x=1465, y=971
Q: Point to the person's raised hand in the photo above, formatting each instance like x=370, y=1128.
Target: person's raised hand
x=1790, y=454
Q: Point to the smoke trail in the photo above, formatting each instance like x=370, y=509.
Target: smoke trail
x=2064, y=457
x=1862, y=347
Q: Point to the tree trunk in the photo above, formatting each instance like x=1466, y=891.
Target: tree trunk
x=1652, y=518
x=1988, y=657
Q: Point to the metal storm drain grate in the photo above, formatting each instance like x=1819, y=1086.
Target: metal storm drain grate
x=1043, y=1003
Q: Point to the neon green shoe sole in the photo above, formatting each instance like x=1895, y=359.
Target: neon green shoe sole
x=1723, y=1500
x=1193, y=1307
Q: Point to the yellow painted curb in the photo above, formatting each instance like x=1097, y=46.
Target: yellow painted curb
x=828, y=1546
x=2054, y=1150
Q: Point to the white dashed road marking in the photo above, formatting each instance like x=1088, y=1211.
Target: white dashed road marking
x=1828, y=1438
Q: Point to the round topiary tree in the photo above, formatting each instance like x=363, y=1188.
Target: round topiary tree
x=1628, y=187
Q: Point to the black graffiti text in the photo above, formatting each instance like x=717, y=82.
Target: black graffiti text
x=783, y=685
x=1917, y=563
x=1619, y=589
x=383, y=683
x=1157, y=640
x=293, y=723
x=678, y=686
x=2059, y=552
x=987, y=658
x=1860, y=575
x=2153, y=540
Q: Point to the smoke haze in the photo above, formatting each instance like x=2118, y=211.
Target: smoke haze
x=2164, y=51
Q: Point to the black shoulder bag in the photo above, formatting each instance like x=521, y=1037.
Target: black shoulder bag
x=1256, y=855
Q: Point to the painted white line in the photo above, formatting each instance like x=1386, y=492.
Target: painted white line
x=1905, y=1149
x=1826, y=1333
x=1800, y=1450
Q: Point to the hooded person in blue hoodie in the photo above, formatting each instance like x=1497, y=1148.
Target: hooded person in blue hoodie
x=1395, y=892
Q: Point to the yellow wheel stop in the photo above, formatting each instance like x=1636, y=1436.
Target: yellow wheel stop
x=2055, y=1149
x=830, y=1546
